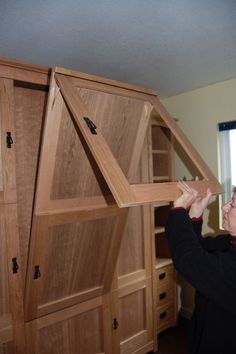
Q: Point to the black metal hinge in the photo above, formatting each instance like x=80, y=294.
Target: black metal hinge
x=9, y=140
x=91, y=125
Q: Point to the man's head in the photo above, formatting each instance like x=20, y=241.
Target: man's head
x=229, y=215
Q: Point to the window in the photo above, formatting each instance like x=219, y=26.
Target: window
x=227, y=145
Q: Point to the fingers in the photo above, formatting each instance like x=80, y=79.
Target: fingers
x=209, y=192
x=187, y=189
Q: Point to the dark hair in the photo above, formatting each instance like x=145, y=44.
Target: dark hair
x=234, y=189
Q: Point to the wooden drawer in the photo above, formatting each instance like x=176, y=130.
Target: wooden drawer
x=165, y=317
x=165, y=275
x=165, y=294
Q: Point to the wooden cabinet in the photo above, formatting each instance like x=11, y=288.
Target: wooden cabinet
x=81, y=247
x=162, y=169
x=60, y=224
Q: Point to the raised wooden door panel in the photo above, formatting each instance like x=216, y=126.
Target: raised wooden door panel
x=77, y=225
x=83, y=328
x=72, y=259
x=135, y=318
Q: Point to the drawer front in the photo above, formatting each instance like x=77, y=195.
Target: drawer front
x=165, y=275
x=165, y=317
x=165, y=295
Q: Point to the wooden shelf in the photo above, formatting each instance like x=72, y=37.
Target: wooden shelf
x=162, y=262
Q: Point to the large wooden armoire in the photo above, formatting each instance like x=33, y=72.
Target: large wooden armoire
x=86, y=180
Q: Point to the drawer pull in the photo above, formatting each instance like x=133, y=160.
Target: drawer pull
x=163, y=315
x=162, y=296
x=162, y=276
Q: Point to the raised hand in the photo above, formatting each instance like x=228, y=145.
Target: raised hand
x=199, y=205
x=188, y=196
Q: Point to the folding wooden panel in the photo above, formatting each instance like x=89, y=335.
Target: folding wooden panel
x=124, y=194
x=77, y=225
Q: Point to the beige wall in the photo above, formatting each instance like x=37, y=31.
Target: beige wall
x=198, y=113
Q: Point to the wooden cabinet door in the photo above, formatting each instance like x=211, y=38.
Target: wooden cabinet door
x=11, y=287
x=83, y=328
x=77, y=225
x=134, y=275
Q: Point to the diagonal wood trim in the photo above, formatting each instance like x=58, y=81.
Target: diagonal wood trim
x=108, y=165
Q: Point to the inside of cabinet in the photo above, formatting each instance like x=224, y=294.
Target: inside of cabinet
x=162, y=170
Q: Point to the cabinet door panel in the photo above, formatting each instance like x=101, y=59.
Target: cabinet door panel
x=135, y=317
x=74, y=261
x=78, y=329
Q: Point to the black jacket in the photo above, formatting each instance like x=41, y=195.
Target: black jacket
x=209, y=265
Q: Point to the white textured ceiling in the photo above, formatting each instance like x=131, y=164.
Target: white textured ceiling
x=169, y=45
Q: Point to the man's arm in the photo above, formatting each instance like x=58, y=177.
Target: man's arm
x=200, y=268
x=218, y=243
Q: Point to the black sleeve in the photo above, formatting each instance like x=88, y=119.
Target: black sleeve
x=203, y=270
x=210, y=244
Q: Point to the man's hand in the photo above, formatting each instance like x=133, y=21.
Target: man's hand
x=187, y=198
x=199, y=205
